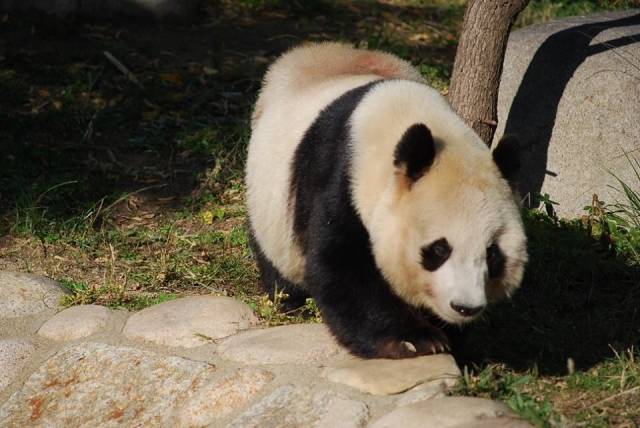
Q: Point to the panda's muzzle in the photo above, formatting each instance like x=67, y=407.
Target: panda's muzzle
x=467, y=311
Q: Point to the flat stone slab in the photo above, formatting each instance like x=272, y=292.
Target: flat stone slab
x=14, y=354
x=502, y=422
x=422, y=392
x=296, y=343
x=293, y=407
x=93, y=384
x=384, y=377
x=217, y=399
x=190, y=321
x=75, y=322
x=23, y=294
x=450, y=412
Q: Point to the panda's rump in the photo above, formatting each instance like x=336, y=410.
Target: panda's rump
x=312, y=64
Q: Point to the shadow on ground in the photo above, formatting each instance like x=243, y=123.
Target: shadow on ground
x=76, y=134
x=578, y=301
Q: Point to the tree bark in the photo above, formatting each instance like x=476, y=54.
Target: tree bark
x=478, y=65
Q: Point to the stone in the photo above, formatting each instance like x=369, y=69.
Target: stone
x=14, y=354
x=425, y=391
x=503, y=422
x=23, y=294
x=385, y=377
x=94, y=384
x=293, y=407
x=448, y=412
x=215, y=400
x=190, y=321
x=570, y=92
x=296, y=343
x=75, y=322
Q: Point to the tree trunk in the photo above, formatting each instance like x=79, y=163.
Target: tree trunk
x=478, y=66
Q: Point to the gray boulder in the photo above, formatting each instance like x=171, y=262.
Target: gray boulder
x=570, y=91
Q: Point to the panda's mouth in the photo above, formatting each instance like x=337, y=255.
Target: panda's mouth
x=436, y=316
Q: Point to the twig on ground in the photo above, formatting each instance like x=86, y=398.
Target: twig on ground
x=124, y=70
x=43, y=194
x=614, y=396
x=127, y=195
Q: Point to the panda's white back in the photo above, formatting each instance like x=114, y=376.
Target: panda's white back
x=297, y=87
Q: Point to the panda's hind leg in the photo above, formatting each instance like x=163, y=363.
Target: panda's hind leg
x=275, y=284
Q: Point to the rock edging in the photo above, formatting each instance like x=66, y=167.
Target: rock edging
x=74, y=367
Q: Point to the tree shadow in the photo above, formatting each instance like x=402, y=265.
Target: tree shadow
x=577, y=301
x=533, y=110
x=77, y=134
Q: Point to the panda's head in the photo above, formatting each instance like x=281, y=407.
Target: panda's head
x=447, y=233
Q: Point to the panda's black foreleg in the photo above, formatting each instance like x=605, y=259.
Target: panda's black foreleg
x=358, y=305
x=275, y=284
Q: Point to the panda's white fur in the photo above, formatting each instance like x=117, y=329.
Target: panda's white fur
x=462, y=197
x=296, y=87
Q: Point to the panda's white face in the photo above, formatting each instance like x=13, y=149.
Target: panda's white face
x=427, y=188
x=474, y=256
x=453, y=241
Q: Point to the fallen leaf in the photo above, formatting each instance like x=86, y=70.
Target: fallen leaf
x=174, y=78
x=207, y=217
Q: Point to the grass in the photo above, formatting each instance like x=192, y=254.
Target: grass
x=606, y=395
x=620, y=221
x=567, y=341
x=133, y=195
x=564, y=351
x=545, y=10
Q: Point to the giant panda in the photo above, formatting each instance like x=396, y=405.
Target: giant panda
x=368, y=193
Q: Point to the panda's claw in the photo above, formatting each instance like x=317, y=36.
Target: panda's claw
x=432, y=341
x=409, y=346
x=423, y=342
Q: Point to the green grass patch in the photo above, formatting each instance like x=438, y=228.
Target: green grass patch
x=545, y=10
x=271, y=312
x=111, y=296
x=438, y=75
x=608, y=394
x=564, y=350
x=518, y=390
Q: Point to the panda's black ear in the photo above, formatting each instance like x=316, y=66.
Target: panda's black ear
x=415, y=152
x=506, y=155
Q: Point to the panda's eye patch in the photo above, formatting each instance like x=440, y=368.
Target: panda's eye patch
x=435, y=254
x=495, y=260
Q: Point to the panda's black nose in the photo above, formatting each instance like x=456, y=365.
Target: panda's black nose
x=466, y=311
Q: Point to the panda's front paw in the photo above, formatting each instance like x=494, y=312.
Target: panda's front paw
x=427, y=341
